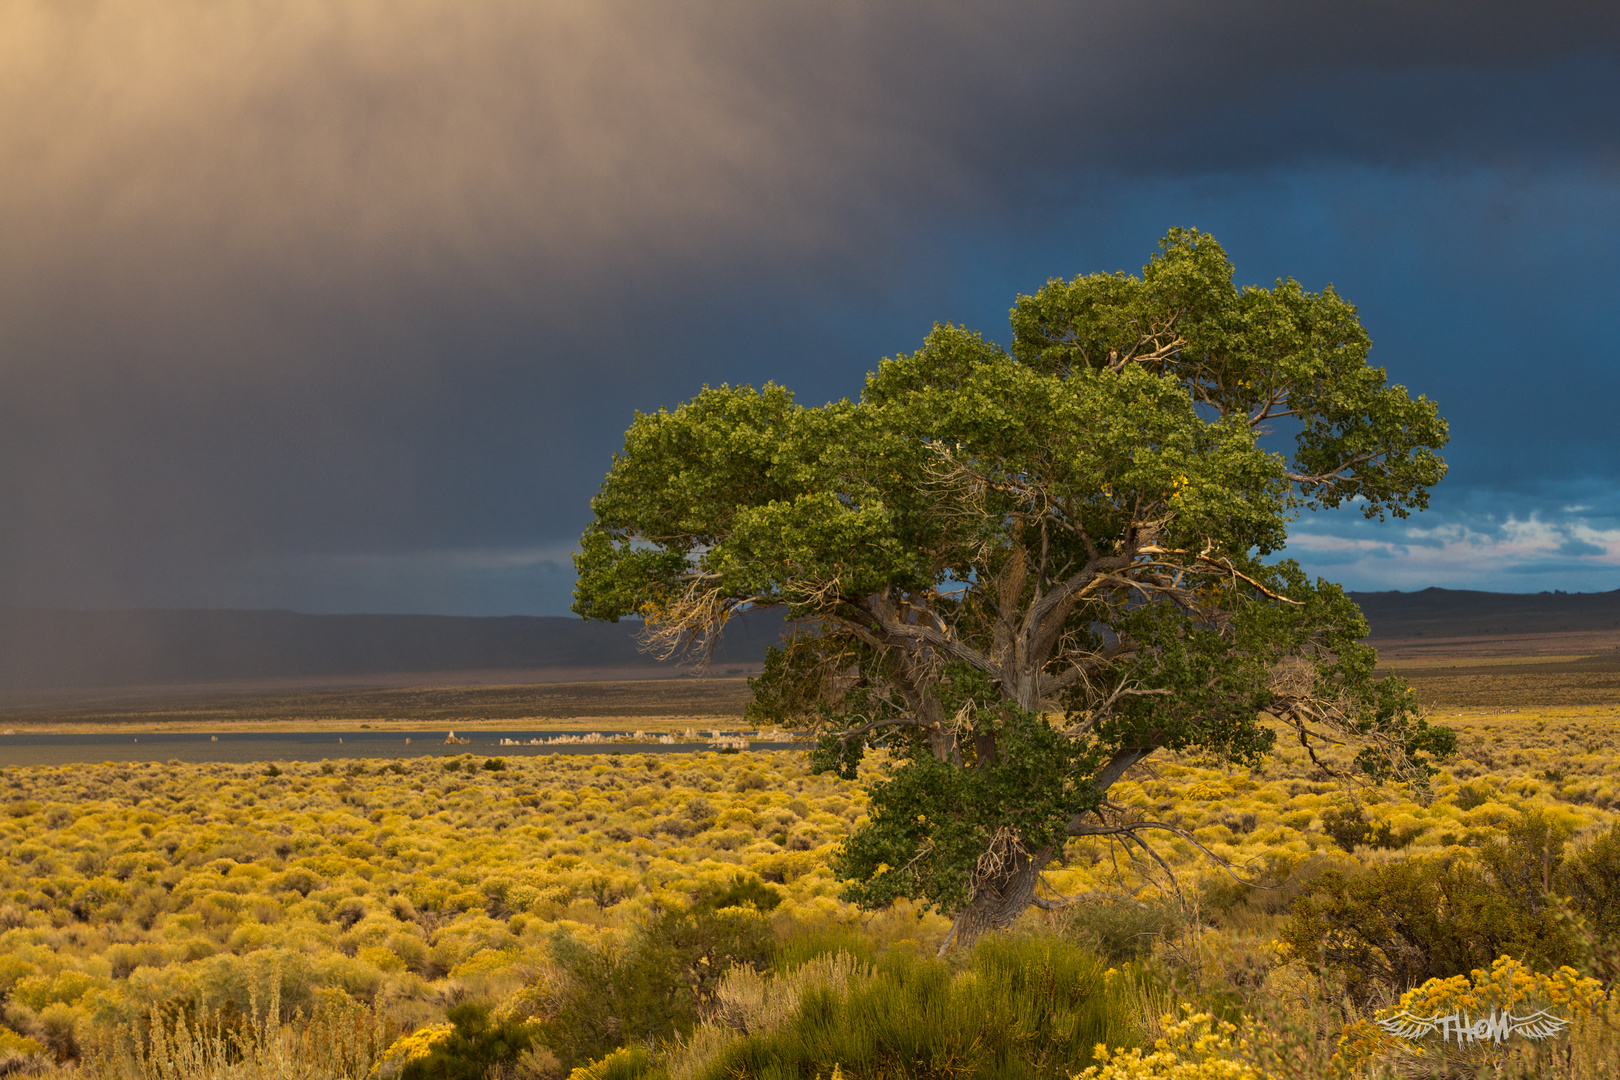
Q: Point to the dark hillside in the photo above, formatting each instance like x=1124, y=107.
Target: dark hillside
x=51, y=649
x=44, y=649
x=1456, y=613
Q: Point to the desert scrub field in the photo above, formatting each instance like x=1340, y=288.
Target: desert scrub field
x=123, y=886
x=538, y=889
x=1562, y=762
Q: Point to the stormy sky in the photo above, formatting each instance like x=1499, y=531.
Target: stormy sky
x=344, y=305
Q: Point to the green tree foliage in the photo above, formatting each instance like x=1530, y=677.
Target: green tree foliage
x=1027, y=570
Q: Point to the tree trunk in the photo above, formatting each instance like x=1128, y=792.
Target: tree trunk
x=1000, y=898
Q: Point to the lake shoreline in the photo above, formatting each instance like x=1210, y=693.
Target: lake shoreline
x=23, y=749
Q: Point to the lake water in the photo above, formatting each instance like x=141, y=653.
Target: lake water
x=45, y=748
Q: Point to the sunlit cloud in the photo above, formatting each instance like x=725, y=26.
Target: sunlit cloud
x=1512, y=555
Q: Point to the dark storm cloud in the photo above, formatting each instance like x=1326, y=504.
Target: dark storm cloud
x=327, y=303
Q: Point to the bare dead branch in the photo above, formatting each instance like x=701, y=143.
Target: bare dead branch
x=1224, y=566
x=1060, y=901
x=1132, y=828
x=899, y=721
x=691, y=623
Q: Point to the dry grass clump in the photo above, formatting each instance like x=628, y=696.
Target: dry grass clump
x=340, y=1040
x=1019, y=1006
x=753, y=1002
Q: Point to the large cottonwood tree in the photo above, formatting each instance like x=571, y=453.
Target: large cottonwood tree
x=1026, y=571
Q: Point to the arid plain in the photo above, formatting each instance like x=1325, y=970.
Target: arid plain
x=404, y=889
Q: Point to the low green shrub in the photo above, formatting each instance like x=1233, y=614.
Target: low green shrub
x=801, y=944
x=1397, y=925
x=1591, y=879
x=743, y=891
x=1345, y=825
x=1023, y=1008
x=476, y=1046
x=1122, y=929
x=654, y=988
x=626, y=1063
x=1349, y=827
x=1269, y=888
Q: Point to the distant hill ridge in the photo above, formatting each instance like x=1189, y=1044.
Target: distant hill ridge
x=50, y=649
x=1461, y=613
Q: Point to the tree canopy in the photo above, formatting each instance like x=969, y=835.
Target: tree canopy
x=1025, y=570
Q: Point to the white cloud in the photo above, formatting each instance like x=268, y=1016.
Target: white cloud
x=1517, y=554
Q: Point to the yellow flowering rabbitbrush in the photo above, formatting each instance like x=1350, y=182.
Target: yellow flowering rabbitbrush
x=1509, y=986
x=1199, y=1046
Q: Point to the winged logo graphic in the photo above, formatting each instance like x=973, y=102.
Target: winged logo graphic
x=1464, y=1028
